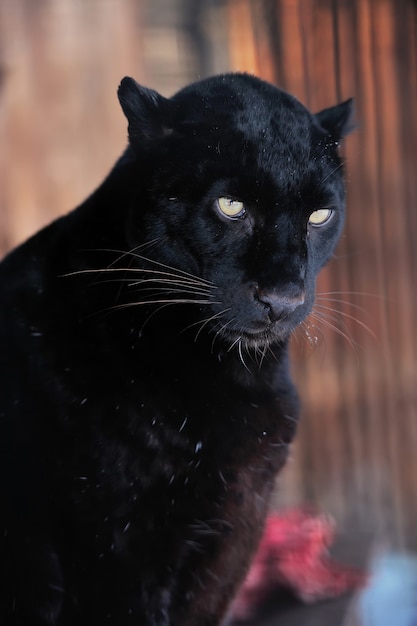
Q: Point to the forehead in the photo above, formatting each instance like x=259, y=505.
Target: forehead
x=240, y=101
x=255, y=129
x=242, y=108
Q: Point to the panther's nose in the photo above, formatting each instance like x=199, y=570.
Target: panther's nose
x=279, y=303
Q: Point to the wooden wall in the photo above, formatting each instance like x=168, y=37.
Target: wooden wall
x=61, y=126
x=61, y=130
x=356, y=454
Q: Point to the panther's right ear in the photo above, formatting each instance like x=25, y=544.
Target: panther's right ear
x=148, y=112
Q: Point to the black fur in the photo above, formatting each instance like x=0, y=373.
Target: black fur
x=146, y=405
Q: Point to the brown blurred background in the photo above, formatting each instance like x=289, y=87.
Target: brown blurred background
x=61, y=130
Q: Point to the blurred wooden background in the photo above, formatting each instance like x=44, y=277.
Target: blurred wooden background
x=61, y=130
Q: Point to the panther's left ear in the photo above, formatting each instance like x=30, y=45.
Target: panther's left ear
x=337, y=120
x=147, y=112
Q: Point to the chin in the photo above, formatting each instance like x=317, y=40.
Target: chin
x=250, y=341
x=259, y=337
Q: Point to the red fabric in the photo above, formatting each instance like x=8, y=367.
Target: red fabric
x=293, y=554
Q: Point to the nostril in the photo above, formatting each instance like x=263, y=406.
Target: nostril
x=279, y=303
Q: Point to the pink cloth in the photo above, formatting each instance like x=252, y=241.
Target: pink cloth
x=293, y=553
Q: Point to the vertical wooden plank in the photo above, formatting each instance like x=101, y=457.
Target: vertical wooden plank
x=243, y=50
x=63, y=127
x=291, y=63
x=356, y=443
x=365, y=274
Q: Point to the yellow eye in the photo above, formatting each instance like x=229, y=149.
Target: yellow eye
x=231, y=208
x=320, y=217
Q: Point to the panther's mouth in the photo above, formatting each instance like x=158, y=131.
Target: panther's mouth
x=249, y=339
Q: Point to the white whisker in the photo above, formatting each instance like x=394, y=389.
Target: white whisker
x=177, y=271
x=241, y=355
x=206, y=321
x=324, y=320
x=156, y=291
x=219, y=332
x=333, y=171
x=162, y=301
x=350, y=293
x=170, y=281
x=263, y=354
x=155, y=275
x=340, y=301
x=345, y=314
x=150, y=316
x=234, y=343
x=156, y=284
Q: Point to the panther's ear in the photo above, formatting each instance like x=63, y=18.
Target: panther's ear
x=337, y=120
x=148, y=112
